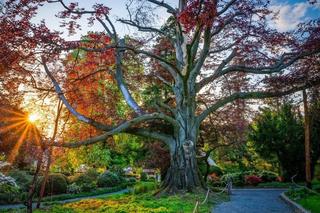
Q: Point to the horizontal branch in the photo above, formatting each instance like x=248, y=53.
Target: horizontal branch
x=281, y=64
x=142, y=28
x=165, y=5
x=123, y=128
x=253, y=95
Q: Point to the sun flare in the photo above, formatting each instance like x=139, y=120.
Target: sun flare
x=32, y=118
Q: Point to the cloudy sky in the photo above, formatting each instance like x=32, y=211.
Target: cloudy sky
x=291, y=13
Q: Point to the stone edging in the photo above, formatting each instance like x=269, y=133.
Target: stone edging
x=296, y=207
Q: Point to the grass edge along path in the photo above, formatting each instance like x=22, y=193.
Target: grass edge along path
x=308, y=199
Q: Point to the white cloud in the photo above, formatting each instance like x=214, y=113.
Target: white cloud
x=289, y=15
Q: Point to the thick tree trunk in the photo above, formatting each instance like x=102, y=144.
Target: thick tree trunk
x=183, y=174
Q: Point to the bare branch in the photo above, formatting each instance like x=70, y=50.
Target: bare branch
x=142, y=28
x=216, y=73
x=122, y=128
x=281, y=64
x=165, y=5
x=226, y=7
x=122, y=86
x=203, y=55
x=254, y=95
x=226, y=23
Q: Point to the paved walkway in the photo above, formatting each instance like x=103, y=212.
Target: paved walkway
x=254, y=201
x=20, y=206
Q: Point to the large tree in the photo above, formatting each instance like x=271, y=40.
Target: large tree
x=207, y=40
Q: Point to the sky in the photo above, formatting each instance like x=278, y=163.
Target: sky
x=291, y=13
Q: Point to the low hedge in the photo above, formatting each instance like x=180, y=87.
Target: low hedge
x=98, y=191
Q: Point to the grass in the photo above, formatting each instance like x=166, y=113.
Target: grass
x=143, y=203
x=306, y=198
x=275, y=185
x=311, y=203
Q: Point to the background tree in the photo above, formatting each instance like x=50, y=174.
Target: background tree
x=279, y=135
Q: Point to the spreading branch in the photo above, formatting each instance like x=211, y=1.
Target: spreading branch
x=254, y=95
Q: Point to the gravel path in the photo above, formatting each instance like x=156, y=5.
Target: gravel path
x=20, y=206
x=254, y=201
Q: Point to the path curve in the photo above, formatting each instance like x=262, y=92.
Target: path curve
x=254, y=201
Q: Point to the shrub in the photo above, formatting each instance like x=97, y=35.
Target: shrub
x=56, y=184
x=88, y=187
x=9, y=193
x=268, y=176
x=118, y=170
x=73, y=189
x=7, y=180
x=143, y=176
x=237, y=178
x=108, y=179
x=23, y=179
x=131, y=180
x=144, y=187
x=253, y=180
x=86, y=178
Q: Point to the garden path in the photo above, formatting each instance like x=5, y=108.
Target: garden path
x=254, y=201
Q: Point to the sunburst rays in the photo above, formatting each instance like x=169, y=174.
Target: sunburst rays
x=21, y=125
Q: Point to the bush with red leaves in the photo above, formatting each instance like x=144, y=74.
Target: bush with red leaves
x=252, y=180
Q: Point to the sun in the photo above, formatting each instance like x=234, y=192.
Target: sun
x=32, y=118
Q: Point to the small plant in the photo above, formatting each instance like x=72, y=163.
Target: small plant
x=253, y=180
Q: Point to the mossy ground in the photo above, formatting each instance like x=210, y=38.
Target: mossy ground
x=145, y=203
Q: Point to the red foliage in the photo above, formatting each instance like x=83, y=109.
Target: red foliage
x=88, y=73
x=197, y=12
x=253, y=180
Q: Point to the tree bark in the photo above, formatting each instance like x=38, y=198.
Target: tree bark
x=45, y=179
x=307, y=139
x=183, y=174
x=32, y=188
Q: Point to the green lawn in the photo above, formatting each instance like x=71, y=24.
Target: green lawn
x=306, y=198
x=137, y=203
x=311, y=203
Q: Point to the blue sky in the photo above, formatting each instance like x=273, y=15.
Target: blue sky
x=291, y=12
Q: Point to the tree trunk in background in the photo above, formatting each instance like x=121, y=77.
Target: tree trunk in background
x=307, y=139
x=32, y=188
x=45, y=179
